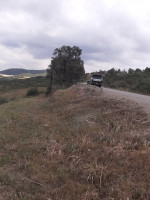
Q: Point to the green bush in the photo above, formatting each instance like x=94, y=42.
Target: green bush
x=32, y=92
x=143, y=86
x=113, y=85
x=123, y=84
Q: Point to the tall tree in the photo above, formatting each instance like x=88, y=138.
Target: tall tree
x=66, y=66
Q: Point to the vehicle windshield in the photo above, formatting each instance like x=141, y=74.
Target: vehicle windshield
x=97, y=76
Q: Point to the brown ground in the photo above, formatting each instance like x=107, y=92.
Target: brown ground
x=77, y=144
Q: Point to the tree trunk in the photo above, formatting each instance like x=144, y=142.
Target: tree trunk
x=51, y=81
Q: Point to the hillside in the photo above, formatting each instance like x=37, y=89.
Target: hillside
x=74, y=145
x=16, y=71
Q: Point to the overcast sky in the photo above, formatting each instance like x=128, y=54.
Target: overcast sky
x=111, y=33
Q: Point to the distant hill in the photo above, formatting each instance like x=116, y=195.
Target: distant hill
x=16, y=71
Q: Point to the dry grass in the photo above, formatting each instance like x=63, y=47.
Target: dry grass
x=75, y=145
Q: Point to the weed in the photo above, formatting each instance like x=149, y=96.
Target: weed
x=5, y=179
x=60, y=173
x=5, y=159
x=100, y=116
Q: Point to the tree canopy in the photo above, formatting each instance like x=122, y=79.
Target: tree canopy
x=66, y=66
x=133, y=80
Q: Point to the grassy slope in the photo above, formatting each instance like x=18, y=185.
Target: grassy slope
x=75, y=145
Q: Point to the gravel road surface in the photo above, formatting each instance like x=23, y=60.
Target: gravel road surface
x=142, y=101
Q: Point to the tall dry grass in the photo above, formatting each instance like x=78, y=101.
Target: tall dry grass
x=73, y=145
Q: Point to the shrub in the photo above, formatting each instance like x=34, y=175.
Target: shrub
x=113, y=85
x=123, y=84
x=143, y=86
x=32, y=92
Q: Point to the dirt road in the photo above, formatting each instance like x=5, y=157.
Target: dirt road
x=142, y=101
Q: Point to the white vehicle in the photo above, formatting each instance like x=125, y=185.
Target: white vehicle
x=95, y=79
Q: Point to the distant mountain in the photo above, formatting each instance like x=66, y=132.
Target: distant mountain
x=16, y=71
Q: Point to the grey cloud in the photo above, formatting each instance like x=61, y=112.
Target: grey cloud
x=112, y=36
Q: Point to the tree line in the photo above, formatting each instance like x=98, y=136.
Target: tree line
x=133, y=80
